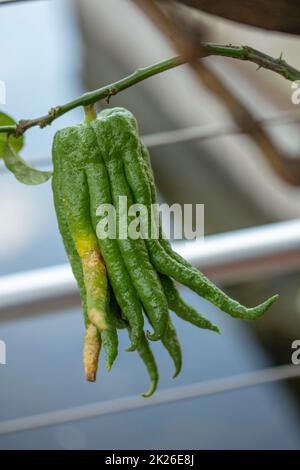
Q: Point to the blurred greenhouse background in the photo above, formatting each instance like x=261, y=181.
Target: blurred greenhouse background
x=54, y=50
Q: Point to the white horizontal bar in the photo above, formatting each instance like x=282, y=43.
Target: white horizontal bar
x=246, y=254
x=171, y=395
x=36, y=285
x=193, y=134
x=228, y=257
x=214, y=131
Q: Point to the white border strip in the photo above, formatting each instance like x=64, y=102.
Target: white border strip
x=235, y=256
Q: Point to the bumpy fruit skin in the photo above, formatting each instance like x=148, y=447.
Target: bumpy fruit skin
x=113, y=137
x=80, y=184
x=181, y=308
x=76, y=206
x=96, y=163
x=122, y=144
x=92, y=343
x=71, y=198
x=165, y=261
x=144, y=349
x=100, y=193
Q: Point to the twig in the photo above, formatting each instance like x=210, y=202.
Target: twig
x=243, y=53
x=93, y=96
x=265, y=61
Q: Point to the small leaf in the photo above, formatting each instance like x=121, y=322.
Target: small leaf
x=21, y=169
x=16, y=142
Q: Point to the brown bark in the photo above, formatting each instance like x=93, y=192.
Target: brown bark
x=275, y=15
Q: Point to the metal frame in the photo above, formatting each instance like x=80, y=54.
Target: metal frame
x=236, y=256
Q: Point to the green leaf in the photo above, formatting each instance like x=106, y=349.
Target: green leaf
x=21, y=169
x=16, y=142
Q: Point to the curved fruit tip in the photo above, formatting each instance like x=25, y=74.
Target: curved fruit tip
x=135, y=341
x=210, y=326
x=155, y=336
x=91, y=377
x=262, y=308
x=178, y=367
x=215, y=329
x=273, y=299
x=109, y=363
x=151, y=390
x=131, y=348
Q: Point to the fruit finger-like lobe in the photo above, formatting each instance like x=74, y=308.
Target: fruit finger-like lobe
x=147, y=357
x=163, y=241
x=75, y=200
x=144, y=350
x=99, y=190
x=91, y=347
x=91, y=351
x=171, y=343
x=116, y=312
x=95, y=280
x=110, y=341
x=172, y=264
x=109, y=337
x=112, y=135
x=196, y=281
x=63, y=226
x=181, y=308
